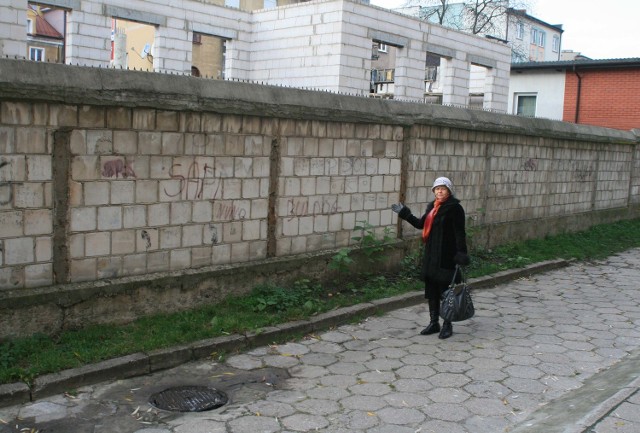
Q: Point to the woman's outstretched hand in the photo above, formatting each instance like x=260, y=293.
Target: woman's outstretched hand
x=397, y=207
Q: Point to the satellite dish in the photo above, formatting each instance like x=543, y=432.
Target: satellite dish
x=146, y=50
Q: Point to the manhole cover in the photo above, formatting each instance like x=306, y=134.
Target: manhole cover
x=189, y=399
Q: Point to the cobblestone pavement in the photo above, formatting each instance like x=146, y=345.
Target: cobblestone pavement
x=555, y=352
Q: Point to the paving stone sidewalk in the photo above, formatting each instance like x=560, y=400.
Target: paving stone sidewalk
x=552, y=352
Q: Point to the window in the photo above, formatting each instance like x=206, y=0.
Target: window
x=556, y=43
x=270, y=4
x=519, y=30
x=382, y=48
x=36, y=54
x=30, y=29
x=537, y=37
x=525, y=105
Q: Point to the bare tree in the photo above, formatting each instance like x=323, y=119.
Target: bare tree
x=487, y=17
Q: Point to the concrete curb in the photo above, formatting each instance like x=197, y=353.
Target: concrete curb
x=138, y=364
x=582, y=408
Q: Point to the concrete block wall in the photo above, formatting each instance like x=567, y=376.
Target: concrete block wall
x=504, y=179
x=13, y=29
x=158, y=191
x=634, y=191
x=333, y=177
x=149, y=183
x=26, y=195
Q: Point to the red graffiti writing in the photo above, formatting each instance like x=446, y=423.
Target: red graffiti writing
x=297, y=207
x=192, y=184
x=117, y=167
x=229, y=212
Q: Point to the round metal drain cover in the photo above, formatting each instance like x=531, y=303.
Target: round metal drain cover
x=189, y=399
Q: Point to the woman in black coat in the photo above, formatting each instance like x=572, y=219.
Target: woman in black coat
x=445, y=246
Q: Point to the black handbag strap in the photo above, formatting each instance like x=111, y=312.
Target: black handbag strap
x=453, y=280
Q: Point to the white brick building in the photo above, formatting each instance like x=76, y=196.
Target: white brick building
x=322, y=44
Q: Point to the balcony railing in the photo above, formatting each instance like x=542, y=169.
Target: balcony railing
x=383, y=75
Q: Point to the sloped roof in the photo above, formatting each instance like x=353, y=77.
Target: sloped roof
x=44, y=29
x=523, y=13
x=632, y=62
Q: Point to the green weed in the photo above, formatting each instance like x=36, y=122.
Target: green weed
x=23, y=359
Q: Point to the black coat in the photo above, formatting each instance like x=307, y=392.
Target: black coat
x=446, y=245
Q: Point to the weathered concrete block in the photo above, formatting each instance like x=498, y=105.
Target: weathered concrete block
x=122, y=192
x=31, y=140
x=83, y=270
x=18, y=251
x=149, y=143
x=97, y=244
x=63, y=115
x=147, y=191
x=83, y=219
x=192, y=235
x=134, y=216
x=123, y=242
x=158, y=214
x=172, y=143
x=37, y=221
x=91, y=117
x=14, y=394
x=16, y=113
x=180, y=259
x=144, y=119
x=38, y=275
x=158, y=261
x=121, y=118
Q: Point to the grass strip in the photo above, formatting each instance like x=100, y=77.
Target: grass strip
x=23, y=359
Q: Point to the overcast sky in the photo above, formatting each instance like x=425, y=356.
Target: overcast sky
x=599, y=29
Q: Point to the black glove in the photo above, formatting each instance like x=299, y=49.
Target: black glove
x=461, y=259
x=397, y=207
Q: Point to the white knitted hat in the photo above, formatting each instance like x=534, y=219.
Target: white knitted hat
x=443, y=181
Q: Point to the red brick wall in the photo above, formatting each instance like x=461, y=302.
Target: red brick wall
x=609, y=98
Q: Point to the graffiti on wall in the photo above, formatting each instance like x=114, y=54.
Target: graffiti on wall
x=6, y=193
x=195, y=183
x=203, y=183
x=297, y=207
x=531, y=164
x=117, y=167
x=224, y=211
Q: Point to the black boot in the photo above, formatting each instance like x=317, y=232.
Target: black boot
x=447, y=330
x=434, y=313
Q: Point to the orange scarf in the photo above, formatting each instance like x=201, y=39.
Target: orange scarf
x=426, y=229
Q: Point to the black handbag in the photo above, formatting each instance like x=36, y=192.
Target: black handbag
x=456, y=304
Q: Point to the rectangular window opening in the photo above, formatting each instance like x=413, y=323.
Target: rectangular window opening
x=525, y=105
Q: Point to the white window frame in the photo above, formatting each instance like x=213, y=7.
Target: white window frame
x=516, y=103
x=538, y=37
x=556, y=43
x=382, y=47
x=36, y=54
x=520, y=30
x=30, y=26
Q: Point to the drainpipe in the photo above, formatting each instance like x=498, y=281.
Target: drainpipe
x=578, y=95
